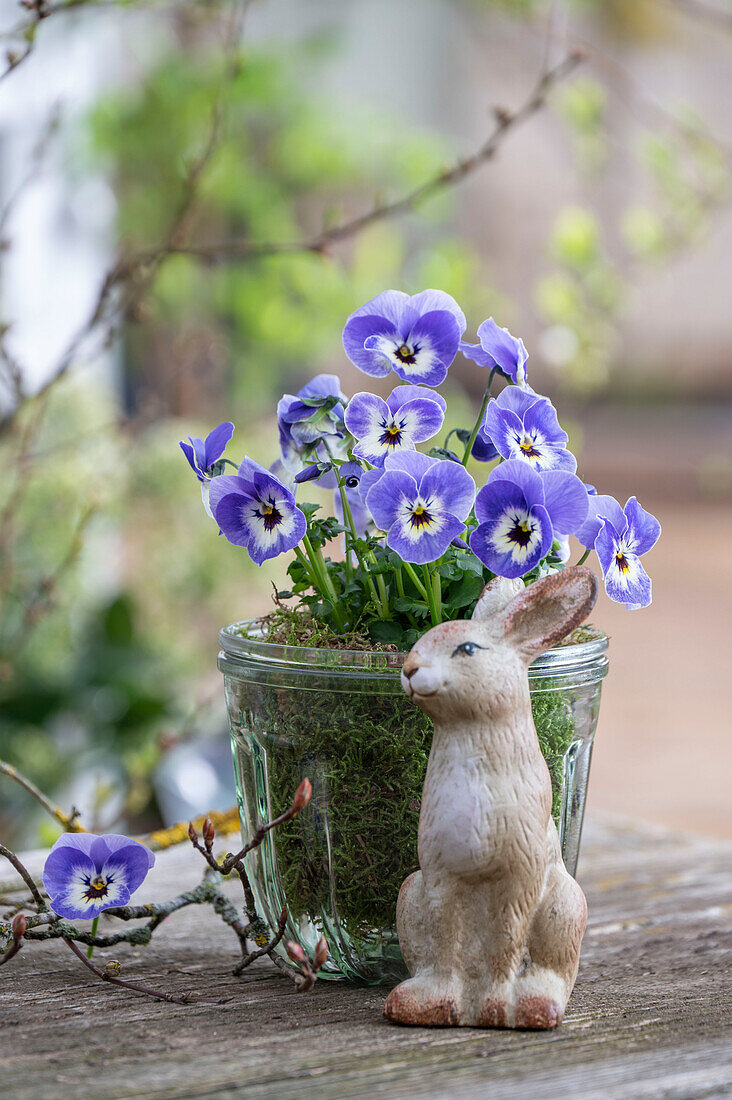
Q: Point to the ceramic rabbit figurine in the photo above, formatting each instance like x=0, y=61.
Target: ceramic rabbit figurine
x=491, y=926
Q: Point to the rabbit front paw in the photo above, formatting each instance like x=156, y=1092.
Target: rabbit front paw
x=422, y=1002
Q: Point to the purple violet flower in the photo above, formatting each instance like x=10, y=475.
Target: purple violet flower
x=410, y=415
x=417, y=337
x=498, y=348
x=623, y=538
x=85, y=874
x=305, y=419
x=255, y=510
x=522, y=424
x=421, y=503
x=519, y=513
x=203, y=454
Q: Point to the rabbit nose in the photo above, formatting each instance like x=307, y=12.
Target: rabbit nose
x=409, y=667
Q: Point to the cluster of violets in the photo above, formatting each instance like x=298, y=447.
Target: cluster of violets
x=420, y=504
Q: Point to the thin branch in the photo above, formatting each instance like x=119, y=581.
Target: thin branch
x=107, y=975
x=25, y=875
x=704, y=13
x=455, y=174
x=69, y=822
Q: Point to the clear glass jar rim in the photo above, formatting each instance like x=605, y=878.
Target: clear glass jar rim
x=256, y=649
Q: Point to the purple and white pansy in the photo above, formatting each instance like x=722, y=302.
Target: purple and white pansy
x=422, y=504
x=519, y=513
x=417, y=337
x=85, y=873
x=203, y=454
x=390, y=496
x=410, y=415
x=255, y=510
x=307, y=420
x=522, y=424
x=622, y=536
x=499, y=350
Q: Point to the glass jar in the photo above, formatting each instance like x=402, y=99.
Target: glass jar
x=341, y=719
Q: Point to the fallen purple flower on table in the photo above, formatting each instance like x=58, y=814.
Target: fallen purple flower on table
x=519, y=513
x=417, y=337
x=410, y=415
x=85, y=874
x=497, y=348
x=522, y=424
x=422, y=503
x=203, y=454
x=255, y=510
x=621, y=542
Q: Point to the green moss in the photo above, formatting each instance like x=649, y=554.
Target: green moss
x=366, y=754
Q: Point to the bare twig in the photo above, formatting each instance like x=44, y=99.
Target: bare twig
x=505, y=121
x=702, y=12
x=109, y=975
x=25, y=875
x=69, y=822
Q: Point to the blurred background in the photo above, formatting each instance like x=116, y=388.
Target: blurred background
x=173, y=177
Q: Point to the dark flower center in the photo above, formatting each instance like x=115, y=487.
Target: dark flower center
x=405, y=354
x=97, y=887
x=270, y=514
x=527, y=448
x=420, y=517
x=521, y=533
x=392, y=435
x=622, y=561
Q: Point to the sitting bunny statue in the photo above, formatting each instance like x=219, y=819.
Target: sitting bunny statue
x=490, y=926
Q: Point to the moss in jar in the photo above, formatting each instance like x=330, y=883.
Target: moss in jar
x=366, y=755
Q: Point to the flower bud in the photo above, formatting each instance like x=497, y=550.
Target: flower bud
x=302, y=795
x=308, y=474
x=113, y=968
x=461, y=544
x=19, y=925
x=296, y=953
x=321, y=953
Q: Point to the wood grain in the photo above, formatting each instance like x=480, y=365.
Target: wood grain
x=649, y=1018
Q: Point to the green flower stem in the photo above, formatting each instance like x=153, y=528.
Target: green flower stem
x=90, y=948
x=479, y=421
x=325, y=581
x=437, y=594
x=585, y=556
x=350, y=528
x=416, y=582
x=400, y=590
x=428, y=581
x=314, y=581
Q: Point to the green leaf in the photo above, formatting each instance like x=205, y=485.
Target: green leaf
x=387, y=631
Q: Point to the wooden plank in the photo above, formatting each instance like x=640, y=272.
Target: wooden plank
x=649, y=1017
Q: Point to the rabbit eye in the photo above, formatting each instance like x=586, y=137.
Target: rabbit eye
x=468, y=648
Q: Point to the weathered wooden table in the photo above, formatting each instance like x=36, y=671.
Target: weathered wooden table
x=650, y=1016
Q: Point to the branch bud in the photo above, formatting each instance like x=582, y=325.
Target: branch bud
x=208, y=832
x=321, y=953
x=19, y=925
x=296, y=953
x=192, y=834
x=302, y=796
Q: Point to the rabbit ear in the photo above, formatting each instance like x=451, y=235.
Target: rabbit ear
x=548, y=610
x=495, y=596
